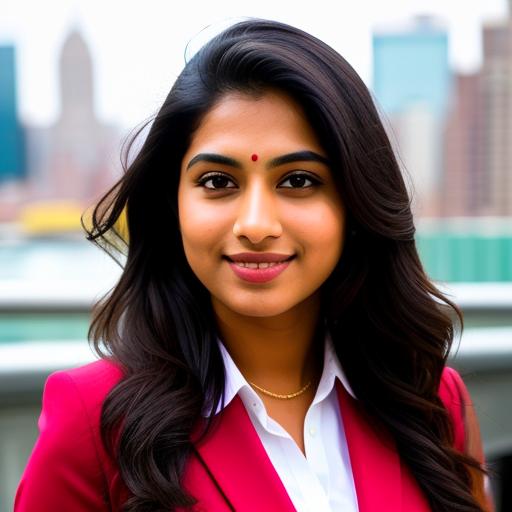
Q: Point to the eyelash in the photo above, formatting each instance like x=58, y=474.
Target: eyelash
x=207, y=177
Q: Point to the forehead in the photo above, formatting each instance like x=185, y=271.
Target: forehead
x=272, y=119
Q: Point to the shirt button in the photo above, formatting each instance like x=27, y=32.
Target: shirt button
x=312, y=431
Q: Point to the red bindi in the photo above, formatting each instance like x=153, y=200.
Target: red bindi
x=254, y=157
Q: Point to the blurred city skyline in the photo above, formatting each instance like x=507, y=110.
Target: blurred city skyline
x=138, y=52
x=451, y=129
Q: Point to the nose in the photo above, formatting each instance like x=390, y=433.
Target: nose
x=256, y=217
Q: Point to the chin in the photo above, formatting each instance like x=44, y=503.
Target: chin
x=252, y=307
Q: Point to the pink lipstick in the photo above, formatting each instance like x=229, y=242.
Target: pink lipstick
x=259, y=275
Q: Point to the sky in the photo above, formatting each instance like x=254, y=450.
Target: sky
x=139, y=48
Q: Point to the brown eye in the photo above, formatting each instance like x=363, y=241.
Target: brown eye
x=218, y=181
x=298, y=179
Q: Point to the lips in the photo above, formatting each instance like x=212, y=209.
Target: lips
x=255, y=257
x=258, y=275
x=253, y=265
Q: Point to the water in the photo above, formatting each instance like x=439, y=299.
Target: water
x=56, y=260
x=48, y=286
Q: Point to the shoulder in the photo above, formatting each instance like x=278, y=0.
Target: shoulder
x=453, y=391
x=73, y=400
x=455, y=397
x=68, y=463
x=94, y=380
x=468, y=440
x=451, y=386
x=79, y=391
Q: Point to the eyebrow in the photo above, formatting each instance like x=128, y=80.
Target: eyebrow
x=297, y=156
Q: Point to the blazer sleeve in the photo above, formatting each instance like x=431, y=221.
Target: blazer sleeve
x=467, y=432
x=455, y=397
x=64, y=471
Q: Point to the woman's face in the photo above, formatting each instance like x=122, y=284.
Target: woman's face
x=240, y=193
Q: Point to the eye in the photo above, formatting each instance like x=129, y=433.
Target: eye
x=297, y=179
x=218, y=181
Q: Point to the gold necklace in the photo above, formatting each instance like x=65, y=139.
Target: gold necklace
x=282, y=397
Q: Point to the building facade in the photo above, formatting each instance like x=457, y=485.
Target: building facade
x=12, y=150
x=412, y=83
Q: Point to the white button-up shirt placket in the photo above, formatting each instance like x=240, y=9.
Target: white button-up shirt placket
x=320, y=481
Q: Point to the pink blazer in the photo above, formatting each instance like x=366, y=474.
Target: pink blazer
x=69, y=469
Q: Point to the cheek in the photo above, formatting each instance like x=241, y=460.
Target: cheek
x=321, y=229
x=200, y=224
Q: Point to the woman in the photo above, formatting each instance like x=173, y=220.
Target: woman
x=273, y=342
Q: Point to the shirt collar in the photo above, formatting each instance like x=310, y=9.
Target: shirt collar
x=236, y=383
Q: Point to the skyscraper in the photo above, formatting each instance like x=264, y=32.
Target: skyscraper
x=12, y=151
x=412, y=82
x=496, y=91
x=478, y=157
x=81, y=143
x=73, y=158
x=73, y=161
x=464, y=190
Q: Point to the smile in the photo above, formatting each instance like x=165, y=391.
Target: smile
x=257, y=265
x=258, y=272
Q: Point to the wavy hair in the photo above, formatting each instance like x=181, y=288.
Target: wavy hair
x=158, y=322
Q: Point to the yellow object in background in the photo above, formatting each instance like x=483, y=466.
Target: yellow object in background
x=122, y=226
x=51, y=217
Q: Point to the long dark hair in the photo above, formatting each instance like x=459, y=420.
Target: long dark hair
x=392, y=328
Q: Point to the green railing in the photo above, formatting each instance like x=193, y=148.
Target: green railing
x=466, y=250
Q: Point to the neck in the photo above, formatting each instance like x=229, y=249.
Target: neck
x=280, y=353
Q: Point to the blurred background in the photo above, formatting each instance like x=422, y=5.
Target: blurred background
x=76, y=77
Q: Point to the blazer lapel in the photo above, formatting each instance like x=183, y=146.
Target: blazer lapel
x=232, y=470
x=382, y=483
x=235, y=463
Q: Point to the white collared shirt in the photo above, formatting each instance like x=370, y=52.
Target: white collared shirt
x=322, y=480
